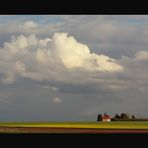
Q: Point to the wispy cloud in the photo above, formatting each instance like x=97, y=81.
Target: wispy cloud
x=57, y=100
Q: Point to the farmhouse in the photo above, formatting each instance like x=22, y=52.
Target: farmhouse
x=106, y=118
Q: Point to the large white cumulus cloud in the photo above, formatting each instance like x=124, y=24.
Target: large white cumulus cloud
x=49, y=58
x=74, y=54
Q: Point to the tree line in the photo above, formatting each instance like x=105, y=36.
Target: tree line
x=117, y=117
x=123, y=117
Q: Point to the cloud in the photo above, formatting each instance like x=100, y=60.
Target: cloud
x=19, y=67
x=74, y=54
x=113, y=35
x=29, y=25
x=57, y=100
x=51, y=88
x=63, y=64
x=47, y=59
x=26, y=27
x=141, y=55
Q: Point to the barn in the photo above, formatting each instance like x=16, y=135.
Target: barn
x=106, y=118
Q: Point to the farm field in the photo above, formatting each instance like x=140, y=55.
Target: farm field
x=74, y=127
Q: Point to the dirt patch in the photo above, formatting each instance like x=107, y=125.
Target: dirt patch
x=65, y=130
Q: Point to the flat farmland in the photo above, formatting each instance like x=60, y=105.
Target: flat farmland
x=74, y=127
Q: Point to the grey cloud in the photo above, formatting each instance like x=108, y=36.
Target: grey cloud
x=112, y=35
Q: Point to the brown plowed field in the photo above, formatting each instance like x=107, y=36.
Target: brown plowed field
x=66, y=130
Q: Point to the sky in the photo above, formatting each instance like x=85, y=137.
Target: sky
x=73, y=67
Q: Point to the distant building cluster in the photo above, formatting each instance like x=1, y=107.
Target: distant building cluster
x=105, y=118
x=121, y=117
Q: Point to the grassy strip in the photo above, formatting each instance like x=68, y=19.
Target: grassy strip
x=92, y=125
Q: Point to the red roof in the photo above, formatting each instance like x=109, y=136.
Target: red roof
x=106, y=117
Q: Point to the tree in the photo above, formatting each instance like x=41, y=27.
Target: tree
x=133, y=117
x=99, y=118
x=124, y=116
x=117, y=116
x=129, y=116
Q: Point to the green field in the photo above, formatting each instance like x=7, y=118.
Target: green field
x=92, y=125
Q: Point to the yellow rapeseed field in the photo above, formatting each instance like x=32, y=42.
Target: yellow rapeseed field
x=92, y=125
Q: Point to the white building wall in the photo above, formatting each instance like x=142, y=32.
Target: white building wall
x=108, y=120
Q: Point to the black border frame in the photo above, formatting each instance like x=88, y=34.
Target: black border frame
x=19, y=7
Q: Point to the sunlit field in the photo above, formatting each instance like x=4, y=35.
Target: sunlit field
x=91, y=125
